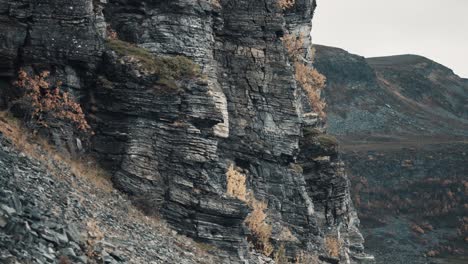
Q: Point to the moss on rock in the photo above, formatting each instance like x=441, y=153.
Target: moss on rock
x=168, y=69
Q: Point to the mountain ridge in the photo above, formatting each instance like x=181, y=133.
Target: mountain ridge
x=392, y=94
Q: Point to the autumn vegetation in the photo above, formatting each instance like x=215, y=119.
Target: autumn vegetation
x=48, y=103
x=286, y=4
x=333, y=246
x=39, y=148
x=307, y=76
x=256, y=220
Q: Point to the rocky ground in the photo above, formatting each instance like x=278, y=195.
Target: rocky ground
x=50, y=214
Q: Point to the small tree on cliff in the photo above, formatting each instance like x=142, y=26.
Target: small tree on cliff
x=48, y=103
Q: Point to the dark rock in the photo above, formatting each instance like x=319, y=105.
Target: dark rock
x=169, y=144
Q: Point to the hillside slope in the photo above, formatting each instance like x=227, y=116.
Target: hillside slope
x=389, y=96
x=54, y=211
x=402, y=121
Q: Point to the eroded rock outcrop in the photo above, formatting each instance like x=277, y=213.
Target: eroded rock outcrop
x=170, y=147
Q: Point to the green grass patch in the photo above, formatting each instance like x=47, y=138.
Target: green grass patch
x=169, y=69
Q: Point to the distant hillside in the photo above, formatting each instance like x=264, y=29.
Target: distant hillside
x=395, y=95
x=402, y=121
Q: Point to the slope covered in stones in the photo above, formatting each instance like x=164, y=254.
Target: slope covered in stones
x=50, y=212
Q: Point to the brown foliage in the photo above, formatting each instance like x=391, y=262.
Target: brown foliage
x=38, y=148
x=417, y=229
x=333, y=246
x=307, y=76
x=49, y=102
x=64, y=260
x=236, y=186
x=286, y=4
x=256, y=223
x=216, y=3
x=256, y=220
x=312, y=82
x=294, y=45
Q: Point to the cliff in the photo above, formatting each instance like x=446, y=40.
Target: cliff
x=193, y=98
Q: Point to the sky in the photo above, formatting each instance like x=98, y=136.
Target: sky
x=436, y=29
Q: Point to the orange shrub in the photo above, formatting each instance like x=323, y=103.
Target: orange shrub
x=49, y=102
x=312, y=82
x=307, y=76
x=256, y=220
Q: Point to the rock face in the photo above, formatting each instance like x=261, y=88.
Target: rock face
x=169, y=147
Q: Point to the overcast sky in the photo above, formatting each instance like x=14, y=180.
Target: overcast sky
x=437, y=29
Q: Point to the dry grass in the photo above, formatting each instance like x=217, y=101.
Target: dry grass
x=89, y=169
x=236, y=186
x=307, y=76
x=256, y=220
x=39, y=149
x=286, y=4
x=294, y=45
x=333, y=246
x=312, y=82
x=287, y=235
x=260, y=229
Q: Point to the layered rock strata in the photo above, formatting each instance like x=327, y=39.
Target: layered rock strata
x=170, y=147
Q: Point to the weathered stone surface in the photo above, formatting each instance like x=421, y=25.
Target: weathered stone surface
x=169, y=147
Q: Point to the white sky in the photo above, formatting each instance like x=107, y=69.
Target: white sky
x=436, y=29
